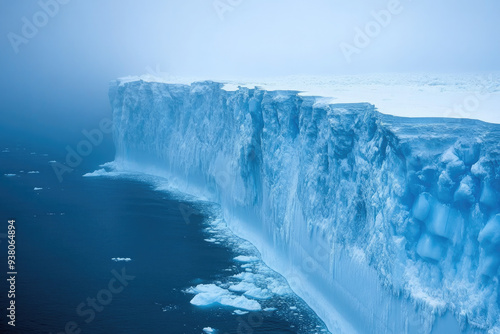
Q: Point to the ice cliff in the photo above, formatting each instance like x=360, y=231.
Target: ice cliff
x=381, y=224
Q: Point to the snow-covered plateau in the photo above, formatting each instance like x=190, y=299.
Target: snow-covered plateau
x=382, y=224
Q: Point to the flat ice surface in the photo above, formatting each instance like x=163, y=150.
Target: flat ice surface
x=466, y=95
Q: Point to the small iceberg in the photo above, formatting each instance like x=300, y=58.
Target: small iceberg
x=243, y=258
x=209, y=294
x=121, y=259
x=270, y=309
x=101, y=172
x=211, y=240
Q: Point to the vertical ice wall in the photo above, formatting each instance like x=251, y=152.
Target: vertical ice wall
x=381, y=224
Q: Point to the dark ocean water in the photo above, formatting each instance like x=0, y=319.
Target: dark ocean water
x=68, y=232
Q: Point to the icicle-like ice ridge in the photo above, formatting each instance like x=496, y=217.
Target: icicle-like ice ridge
x=382, y=224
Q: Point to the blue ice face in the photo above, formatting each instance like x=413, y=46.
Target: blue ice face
x=348, y=204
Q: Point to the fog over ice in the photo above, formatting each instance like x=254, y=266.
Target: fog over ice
x=56, y=75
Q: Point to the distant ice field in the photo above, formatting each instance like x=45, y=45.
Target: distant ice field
x=466, y=95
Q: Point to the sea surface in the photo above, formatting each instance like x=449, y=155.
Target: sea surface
x=116, y=255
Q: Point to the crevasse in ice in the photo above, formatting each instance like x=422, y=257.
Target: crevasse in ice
x=381, y=224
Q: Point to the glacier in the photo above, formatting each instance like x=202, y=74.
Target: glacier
x=382, y=224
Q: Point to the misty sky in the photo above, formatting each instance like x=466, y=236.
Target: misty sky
x=60, y=72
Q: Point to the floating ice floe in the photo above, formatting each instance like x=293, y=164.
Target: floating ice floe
x=36, y=188
x=269, y=309
x=168, y=308
x=121, y=259
x=211, y=240
x=242, y=287
x=243, y=258
x=210, y=294
x=258, y=293
x=100, y=173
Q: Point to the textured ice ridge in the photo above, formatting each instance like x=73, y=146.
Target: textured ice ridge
x=381, y=224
